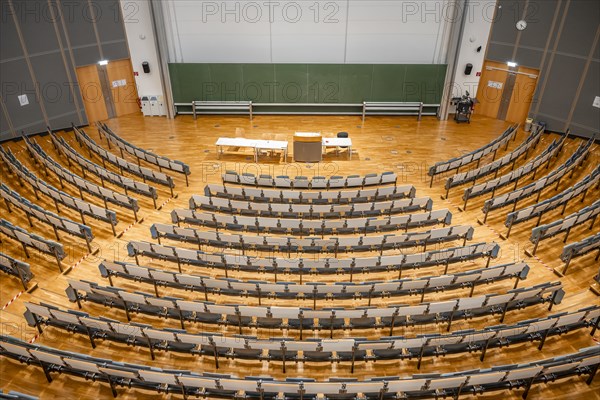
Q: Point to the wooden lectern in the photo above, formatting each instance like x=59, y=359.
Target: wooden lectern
x=307, y=147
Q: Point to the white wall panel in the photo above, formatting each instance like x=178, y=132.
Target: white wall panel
x=224, y=31
x=308, y=31
x=476, y=33
x=142, y=46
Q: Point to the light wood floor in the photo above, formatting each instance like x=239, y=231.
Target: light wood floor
x=399, y=144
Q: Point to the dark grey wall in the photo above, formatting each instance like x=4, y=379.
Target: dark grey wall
x=41, y=44
x=562, y=40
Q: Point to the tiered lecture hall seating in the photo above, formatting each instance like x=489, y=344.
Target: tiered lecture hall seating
x=267, y=286
x=141, y=154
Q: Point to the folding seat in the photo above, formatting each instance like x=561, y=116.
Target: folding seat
x=247, y=179
x=295, y=226
x=311, y=245
x=288, y=196
x=300, y=182
x=279, y=355
x=337, y=244
x=368, y=243
x=202, y=314
x=287, y=210
x=318, y=182
x=356, y=354
x=447, y=385
x=236, y=320
x=363, y=322
x=325, y=227
x=265, y=180
x=322, y=197
x=309, y=355
x=241, y=347
x=52, y=362
x=308, y=196
x=331, y=322
x=385, y=193
x=497, y=303
x=304, y=323
x=310, y=227
x=353, y=181
x=132, y=333
x=269, y=322
x=386, y=350
x=283, y=181
x=248, y=209
x=404, y=312
x=335, y=388
x=215, y=350
x=234, y=227
x=252, y=194
x=291, y=246
x=331, y=212
x=372, y=179
x=388, y=177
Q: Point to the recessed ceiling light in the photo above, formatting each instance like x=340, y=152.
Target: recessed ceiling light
x=103, y=62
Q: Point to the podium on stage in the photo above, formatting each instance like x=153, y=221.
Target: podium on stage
x=307, y=147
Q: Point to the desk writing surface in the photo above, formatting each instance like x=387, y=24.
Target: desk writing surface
x=335, y=142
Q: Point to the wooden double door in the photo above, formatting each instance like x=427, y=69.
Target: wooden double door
x=109, y=90
x=505, y=92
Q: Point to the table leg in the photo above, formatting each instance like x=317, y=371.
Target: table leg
x=349, y=152
x=256, y=154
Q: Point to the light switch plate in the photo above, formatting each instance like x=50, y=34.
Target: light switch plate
x=596, y=102
x=23, y=100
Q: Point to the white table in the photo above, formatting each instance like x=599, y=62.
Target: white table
x=254, y=144
x=338, y=142
x=273, y=145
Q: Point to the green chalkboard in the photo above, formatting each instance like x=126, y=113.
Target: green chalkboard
x=307, y=83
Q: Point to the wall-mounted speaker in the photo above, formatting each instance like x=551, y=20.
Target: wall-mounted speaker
x=468, y=69
x=146, y=67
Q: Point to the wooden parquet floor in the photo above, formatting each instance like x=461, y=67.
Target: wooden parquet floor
x=399, y=144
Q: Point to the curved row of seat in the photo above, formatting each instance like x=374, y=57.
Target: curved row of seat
x=554, y=177
x=561, y=199
x=28, y=239
x=55, y=221
x=316, y=182
x=314, y=290
x=508, y=377
x=580, y=248
x=312, y=350
x=299, y=318
x=565, y=225
x=292, y=226
x=107, y=195
x=310, y=197
x=141, y=154
x=127, y=184
x=313, y=245
x=301, y=265
x=311, y=211
x=58, y=196
x=123, y=165
x=475, y=155
x=17, y=268
x=535, y=165
x=471, y=175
